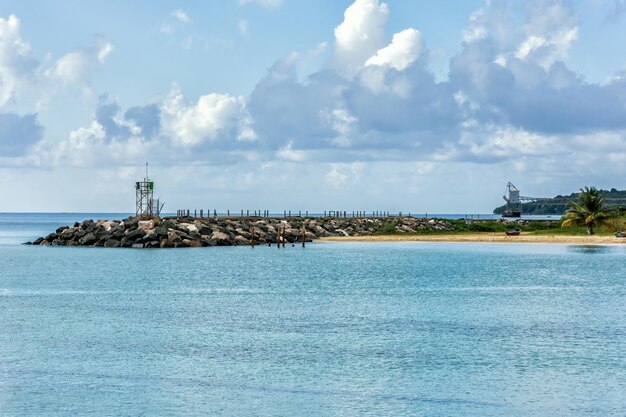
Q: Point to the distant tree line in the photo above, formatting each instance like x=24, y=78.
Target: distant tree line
x=558, y=205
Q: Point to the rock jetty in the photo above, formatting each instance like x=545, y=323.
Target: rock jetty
x=181, y=232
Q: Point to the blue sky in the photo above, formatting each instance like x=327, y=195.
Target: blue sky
x=285, y=104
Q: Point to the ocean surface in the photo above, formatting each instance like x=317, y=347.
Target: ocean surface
x=351, y=329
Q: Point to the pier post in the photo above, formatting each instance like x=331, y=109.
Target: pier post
x=303, y=235
x=290, y=214
x=228, y=213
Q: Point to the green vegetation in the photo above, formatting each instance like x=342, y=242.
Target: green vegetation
x=590, y=211
x=387, y=228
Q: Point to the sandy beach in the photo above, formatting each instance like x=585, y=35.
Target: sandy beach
x=484, y=238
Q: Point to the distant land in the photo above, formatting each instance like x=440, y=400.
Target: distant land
x=558, y=204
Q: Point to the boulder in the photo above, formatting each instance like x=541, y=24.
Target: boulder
x=88, y=239
x=137, y=246
x=173, y=237
x=117, y=232
x=165, y=243
x=161, y=230
x=88, y=224
x=190, y=227
x=195, y=244
x=220, y=238
x=240, y=240
x=136, y=234
x=145, y=225
x=112, y=243
x=204, y=230
x=61, y=229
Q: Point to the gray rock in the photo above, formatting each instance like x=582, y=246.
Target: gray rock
x=88, y=239
x=112, y=243
x=135, y=235
x=220, y=239
x=88, y=224
x=61, y=229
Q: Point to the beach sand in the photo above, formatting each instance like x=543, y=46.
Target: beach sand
x=484, y=238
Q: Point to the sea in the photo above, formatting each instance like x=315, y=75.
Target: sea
x=339, y=329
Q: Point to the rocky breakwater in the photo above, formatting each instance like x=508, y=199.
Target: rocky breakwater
x=135, y=232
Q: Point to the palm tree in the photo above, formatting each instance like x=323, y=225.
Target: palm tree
x=591, y=210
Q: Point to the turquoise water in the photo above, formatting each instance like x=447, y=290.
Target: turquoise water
x=332, y=329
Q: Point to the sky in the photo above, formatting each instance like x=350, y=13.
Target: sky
x=406, y=106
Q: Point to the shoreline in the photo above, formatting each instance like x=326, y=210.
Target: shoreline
x=485, y=237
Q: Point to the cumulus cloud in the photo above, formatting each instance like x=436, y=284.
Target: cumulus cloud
x=75, y=68
x=213, y=116
x=360, y=34
x=404, y=49
x=509, y=98
x=17, y=64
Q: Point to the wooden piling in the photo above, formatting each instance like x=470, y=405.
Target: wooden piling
x=303, y=235
x=284, y=227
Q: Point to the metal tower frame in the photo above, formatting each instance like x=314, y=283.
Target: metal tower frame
x=144, y=200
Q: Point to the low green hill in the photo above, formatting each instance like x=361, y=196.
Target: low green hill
x=557, y=205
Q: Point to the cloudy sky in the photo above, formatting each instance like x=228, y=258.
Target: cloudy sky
x=292, y=104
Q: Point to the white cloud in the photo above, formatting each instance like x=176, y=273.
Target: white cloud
x=404, y=49
x=214, y=115
x=360, y=34
x=288, y=153
x=342, y=175
x=546, y=51
x=181, y=16
x=75, y=68
x=342, y=122
x=17, y=64
x=175, y=21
